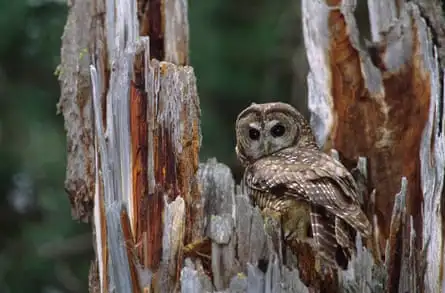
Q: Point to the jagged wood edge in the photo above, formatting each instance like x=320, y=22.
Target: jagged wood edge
x=217, y=187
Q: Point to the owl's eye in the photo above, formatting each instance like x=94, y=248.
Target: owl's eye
x=278, y=130
x=254, y=134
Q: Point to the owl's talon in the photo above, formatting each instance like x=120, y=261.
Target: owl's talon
x=309, y=241
x=199, y=248
x=269, y=213
x=317, y=264
x=270, y=220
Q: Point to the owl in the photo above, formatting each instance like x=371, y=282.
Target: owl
x=286, y=173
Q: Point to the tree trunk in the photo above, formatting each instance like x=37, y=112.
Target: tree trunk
x=132, y=118
x=384, y=101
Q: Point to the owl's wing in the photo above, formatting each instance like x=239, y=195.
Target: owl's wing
x=313, y=176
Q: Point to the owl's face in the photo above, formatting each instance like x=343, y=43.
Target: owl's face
x=263, y=129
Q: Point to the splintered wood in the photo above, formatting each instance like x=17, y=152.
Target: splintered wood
x=370, y=106
x=383, y=101
x=164, y=147
x=172, y=133
x=146, y=117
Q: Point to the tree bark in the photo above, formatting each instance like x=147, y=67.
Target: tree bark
x=384, y=101
x=135, y=162
x=132, y=118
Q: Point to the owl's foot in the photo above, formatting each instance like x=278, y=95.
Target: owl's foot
x=273, y=227
x=272, y=221
x=310, y=241
x=269, y=213
x=317, y=265
x=200, y=248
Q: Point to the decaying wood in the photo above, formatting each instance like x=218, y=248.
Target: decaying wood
x=158, y=215
x=132, y=114
x=75, y=105
x=362, y=102
x=143, y=152
x=242, y=236
x=384, y=101
x=239, y=242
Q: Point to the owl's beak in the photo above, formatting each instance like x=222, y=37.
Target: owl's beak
x=266, y=147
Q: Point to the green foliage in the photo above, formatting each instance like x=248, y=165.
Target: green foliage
x=242, y=53
x=34, y=208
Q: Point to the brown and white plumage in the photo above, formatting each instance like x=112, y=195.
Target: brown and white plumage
x=288, y=173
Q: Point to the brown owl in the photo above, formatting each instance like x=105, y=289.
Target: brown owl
x=286, y=173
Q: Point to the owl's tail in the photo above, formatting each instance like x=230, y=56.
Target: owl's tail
x=324, y=234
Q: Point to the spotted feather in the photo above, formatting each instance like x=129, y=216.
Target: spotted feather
x=286, y=172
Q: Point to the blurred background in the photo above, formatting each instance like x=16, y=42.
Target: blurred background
x=241, y=54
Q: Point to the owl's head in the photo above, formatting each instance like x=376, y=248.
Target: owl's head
x=263, y=129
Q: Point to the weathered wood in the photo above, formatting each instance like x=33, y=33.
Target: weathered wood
x=357, y=101
x=75, y=105
x=385, y=102
x=257, y=251
x=172, y=92
x=146, y=127
x=240, y=246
